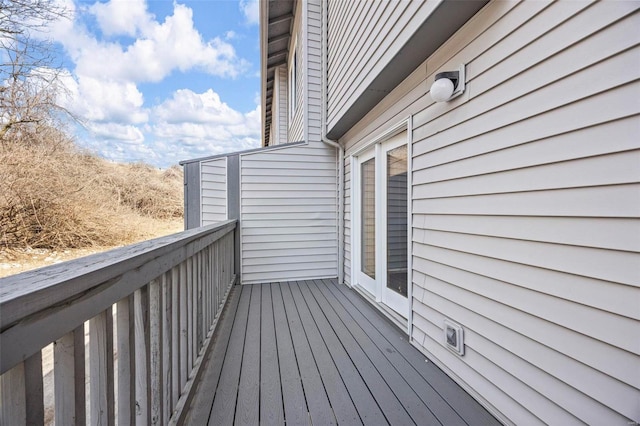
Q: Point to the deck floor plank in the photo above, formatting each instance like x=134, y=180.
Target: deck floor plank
x=248, y=405
x=294, y=372
x=314, y=352
x=341, y=403
x=270, y=388
x=368, y=390
x=350, y=332
x=203, y=400
x=374, y=334
x=224, y=402
x=459, y=400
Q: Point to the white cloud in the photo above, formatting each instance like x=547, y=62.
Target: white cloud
x=104, y=87
x=122, y=17
x=98, y=100
x=251, y=11
x=123, y=133
x=160, y=48
x=202, y=120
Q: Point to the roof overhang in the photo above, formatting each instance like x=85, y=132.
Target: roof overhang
x=276, y=18
x=445, y=20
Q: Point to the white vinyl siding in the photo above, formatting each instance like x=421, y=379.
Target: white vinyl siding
x=363, y=37
x=214, y=190
x=526, y=208
x=313, y=72
x=296, y=109
x=279, y=108
x=289, y=214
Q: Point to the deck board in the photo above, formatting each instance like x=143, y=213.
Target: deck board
x=313, y=352
x=341, y=403
x=248, y=404
x=270, y=388
x=224, y=402
x=359, y=342
x=295, y=405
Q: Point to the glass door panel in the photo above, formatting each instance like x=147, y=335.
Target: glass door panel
x=397, y=231
x=368, y=218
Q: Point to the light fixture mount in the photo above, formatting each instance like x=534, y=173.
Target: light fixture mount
x=448, y=85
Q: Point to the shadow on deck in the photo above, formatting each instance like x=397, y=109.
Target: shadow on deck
x=314, y=352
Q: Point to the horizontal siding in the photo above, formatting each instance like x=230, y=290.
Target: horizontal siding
x=363, y=41
x=295, y=121
x=313, y=71
x=526, y=208
x=289, y=214
x=213, y=190
x=280, y=104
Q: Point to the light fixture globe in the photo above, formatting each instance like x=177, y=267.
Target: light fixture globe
x=441, y=90
x=448, y=85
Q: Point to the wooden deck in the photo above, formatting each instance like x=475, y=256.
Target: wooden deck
x=313, y=352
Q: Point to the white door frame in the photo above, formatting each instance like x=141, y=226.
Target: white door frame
x=377, y=146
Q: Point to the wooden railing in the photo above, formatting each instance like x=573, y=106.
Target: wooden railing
x=150, y=310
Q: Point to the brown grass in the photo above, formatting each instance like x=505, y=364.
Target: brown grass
x=55, y=196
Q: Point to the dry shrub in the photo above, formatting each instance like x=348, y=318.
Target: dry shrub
x=147, y=190
x=52, y=195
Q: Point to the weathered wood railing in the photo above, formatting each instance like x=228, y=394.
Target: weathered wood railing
x=150, y=309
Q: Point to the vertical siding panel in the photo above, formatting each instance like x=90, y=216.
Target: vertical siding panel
x=214, y=190
x=520, y=164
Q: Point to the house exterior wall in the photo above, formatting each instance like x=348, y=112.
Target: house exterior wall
x=525, y=208
x=288, y=195
x=288, y=214
x=363, y=37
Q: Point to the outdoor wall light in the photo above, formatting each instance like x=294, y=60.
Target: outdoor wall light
x=448, y=85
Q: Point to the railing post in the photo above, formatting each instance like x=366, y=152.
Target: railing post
x=233, y=197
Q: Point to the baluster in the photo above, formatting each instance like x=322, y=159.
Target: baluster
x=13, y=396
x=199, y=304
x=215, y=254
x=184, y=326
x=34, y=389
x=126, y=361
x=166, y=344
x=190, y=314
x=205, y=291
x=69, y=378
x=141, y=319
x=175, y=336
x=210, y=289
x=155, y=342
x=101, y=368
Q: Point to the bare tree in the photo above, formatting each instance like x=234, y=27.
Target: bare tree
x=28, y=75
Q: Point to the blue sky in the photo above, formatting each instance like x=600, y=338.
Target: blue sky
x=161, y=81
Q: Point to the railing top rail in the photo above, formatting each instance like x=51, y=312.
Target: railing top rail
x=25, y=294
